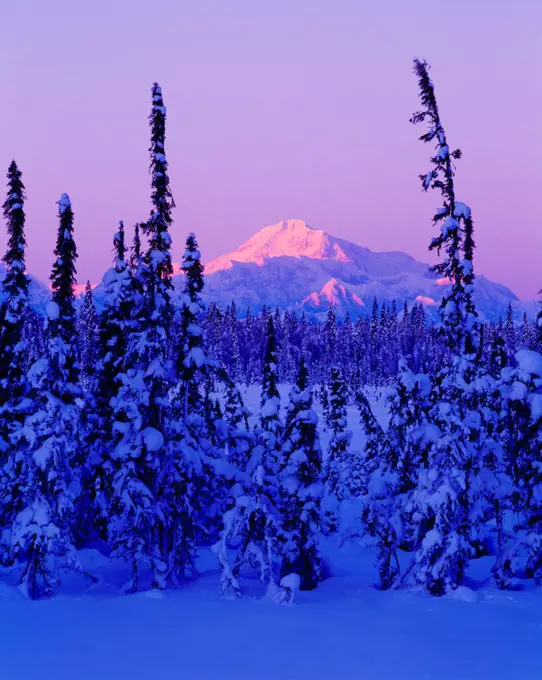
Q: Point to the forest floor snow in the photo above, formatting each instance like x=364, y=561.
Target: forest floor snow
x=346, y=629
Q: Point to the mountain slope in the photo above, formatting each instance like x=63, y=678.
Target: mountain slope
x=294, y=266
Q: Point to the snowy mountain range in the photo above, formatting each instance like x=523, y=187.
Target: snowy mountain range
x=296, y=267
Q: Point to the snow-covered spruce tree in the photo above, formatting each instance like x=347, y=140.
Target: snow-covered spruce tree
x=236, y=416
x=458, y=317
x=192, y=483
x=230, y=341
x=253, y=520
x=527, y=335
x=449, y=490
x=411, y=433
x=323, y=398
x=213, y=330
x=15, y=293
x=510, y=334
x=33, y=335
x=411, y=438
x=135, y=251
x=330, y=335
x=379, y=494
x=117, y=321
x=14, y=384
x=250, y=525
x=340, y=471
x=141, y=522
x=191, y=359
x=271, y=426
x=42, y=533
x=521, y=431
x=90, y=427
x=337, y=471
x=61, y=311
x=345, y=343
x=157, y=305
x=87, y=336
x=250, y=522
x=301, y=487
x=287, y=362
x=137, y=268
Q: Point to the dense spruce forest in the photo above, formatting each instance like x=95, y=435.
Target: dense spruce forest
x=126, y=430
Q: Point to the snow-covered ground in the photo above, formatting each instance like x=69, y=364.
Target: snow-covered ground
x=346, y=629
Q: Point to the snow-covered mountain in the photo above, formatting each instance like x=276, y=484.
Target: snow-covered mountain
x=297, y=267
x=294, y=266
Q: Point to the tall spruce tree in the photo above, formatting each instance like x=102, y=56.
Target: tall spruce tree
x=520, y=425
x=458, y=317
x=379, y=493
x=450, y=488
x=510, y=334
x=13, y=381
x=191, y=480
x=14, y=384
x=236, y=415
x=42, y=537
x=191, y=359
x=271, y=426
x=158, y=269
x=64, y=370
x=301, y=486
x=141, y=521
x=90, y=427
x=338, y=472
x=88, y=335
x=117, y=321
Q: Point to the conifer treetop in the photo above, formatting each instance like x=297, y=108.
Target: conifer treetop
x=269, y=379
x=64, y=272
x=13, y=210
x=193, y=268
x=158, y=257
x=192, y=358
x=135, y=254
x=119, y=244
x=458, y=313
x=15, y=305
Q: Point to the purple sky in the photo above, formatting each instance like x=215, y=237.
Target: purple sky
x=276, y=109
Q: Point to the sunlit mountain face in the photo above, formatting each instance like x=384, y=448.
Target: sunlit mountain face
x=296, y=267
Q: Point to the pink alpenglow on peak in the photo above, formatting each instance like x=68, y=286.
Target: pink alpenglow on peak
x=295, y=267
x=426, y=300
x=358, y=300
x=288, y=238
x=334, y=291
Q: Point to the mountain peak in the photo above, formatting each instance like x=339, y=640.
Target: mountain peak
x=294, y=226
x=295, y=266
x=288, y=238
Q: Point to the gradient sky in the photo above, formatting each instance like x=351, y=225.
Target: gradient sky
x=276, y=109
